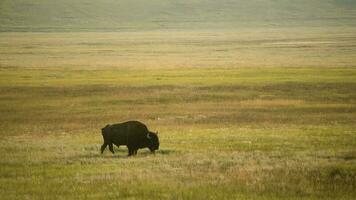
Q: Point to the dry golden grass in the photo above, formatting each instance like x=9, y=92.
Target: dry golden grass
x=170, y=49
x=226, y=131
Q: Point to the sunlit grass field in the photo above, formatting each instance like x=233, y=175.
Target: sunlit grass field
x=248, y=114
x=251, y=99
x=226, y=133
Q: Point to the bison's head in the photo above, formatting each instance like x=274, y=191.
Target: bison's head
x=153, y=141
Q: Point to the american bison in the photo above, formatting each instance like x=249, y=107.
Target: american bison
x=133, y=134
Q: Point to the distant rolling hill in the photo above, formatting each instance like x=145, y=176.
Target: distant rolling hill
x=117, y=15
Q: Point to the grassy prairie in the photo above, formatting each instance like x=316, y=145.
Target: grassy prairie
x=252, y=99
x=250, y=47
x=228, y=133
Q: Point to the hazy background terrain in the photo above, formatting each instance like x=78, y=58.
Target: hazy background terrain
x=168, y=33
x=252, y=99
x=124, y=15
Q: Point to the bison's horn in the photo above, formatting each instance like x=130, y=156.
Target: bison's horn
x=148, y=136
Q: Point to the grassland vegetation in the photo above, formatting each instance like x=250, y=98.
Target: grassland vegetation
x=250, y=133
x=250, y=47
x=252, y=99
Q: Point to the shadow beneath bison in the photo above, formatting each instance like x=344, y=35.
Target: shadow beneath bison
x=121, y=153
x=143, y=153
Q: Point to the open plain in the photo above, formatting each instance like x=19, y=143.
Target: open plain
x=252, y=100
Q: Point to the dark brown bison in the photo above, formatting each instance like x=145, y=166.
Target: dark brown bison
x=133, y=134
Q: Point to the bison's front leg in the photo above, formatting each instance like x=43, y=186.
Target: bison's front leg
x=131, y=151
x=103, y=147
x=111, y=148
x=152, y=150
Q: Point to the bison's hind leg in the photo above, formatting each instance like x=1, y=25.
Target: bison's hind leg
x=103, y=147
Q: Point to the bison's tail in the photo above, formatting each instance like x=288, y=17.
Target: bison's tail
x=103, y=129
